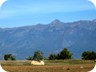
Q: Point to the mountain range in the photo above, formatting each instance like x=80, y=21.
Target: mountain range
x=78, y=36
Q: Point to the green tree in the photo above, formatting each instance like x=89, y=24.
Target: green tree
x=29, y=58
x=64, y=54
x=52, y=57
x=89, y=55
x=38, y=55
x=9, y=57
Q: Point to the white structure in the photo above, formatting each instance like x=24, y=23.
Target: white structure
x=37, y=62
x=1, y=69
x=2, y=2
x=94, y=69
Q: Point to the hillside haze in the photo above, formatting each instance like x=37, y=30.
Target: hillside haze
x=77, y=36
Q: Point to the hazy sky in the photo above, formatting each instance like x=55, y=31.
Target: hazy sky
x=16, y=13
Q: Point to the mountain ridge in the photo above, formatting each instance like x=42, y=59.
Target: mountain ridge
x=51, y=38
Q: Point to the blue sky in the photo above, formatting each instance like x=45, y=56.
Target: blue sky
x=15, y=13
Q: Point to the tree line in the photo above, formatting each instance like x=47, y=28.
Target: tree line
x=64, y=54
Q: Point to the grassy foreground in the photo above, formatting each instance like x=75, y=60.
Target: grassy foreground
x=51, y=66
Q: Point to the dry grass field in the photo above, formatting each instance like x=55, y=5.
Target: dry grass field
x=51, y=66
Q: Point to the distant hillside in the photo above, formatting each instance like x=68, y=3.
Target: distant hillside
x=51, y=38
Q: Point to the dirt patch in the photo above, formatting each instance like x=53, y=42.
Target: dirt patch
x=66, y=68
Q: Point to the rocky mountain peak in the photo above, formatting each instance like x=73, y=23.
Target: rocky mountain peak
x=56, y=21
